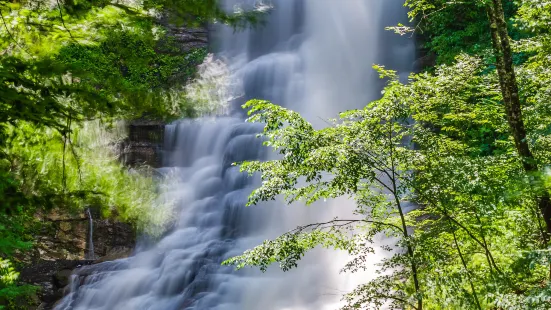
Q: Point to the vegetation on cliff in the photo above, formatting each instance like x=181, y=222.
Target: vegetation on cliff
x=69, y=71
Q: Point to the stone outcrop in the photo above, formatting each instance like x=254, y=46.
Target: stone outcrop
x=186, y=38
x=52, y=277
x=425, y=61
x=62, y=245
x=143, y=145
x=65, y=236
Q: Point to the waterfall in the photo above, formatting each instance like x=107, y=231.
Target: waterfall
x=313, y=56
x=90, y=255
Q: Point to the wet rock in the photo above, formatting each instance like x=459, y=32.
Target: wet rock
x=187, y=38
x=114, y=254
x=143, y=145
x=48, y=292
x=61, y=247
x=66, y=237
x=64, y=226
x=51, y=277
x=62, y=277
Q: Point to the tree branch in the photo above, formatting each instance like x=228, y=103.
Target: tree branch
x=63, y=20
x=315, y=226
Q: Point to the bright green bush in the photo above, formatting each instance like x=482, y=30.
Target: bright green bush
x=82, y=170
x=10, y=292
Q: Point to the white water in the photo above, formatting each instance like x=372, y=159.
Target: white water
x=313, y=56
x=91, y=254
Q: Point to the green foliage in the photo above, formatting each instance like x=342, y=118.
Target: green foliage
x=81, y=170
x=138, y=68
x=118, y=56
x=449, y=28
x=41, y=92
x=86, y=59
x=15, y=229
x=289, y=248
x=10, y=292
x=83, y=59
x=441, y=142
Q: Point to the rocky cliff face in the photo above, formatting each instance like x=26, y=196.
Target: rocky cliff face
x=187, y=38
x=62, y=244
x=144, y=143
x=65, y=236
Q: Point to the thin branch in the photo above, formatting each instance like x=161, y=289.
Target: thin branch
x=482, y=235
x=466, y=270
x=63, y=20
x=405, y=302
x=315, y=226
x=432, y=201
x=10, y=34
x=385, y=186
x=77, y=159
x=409, y=247
x=424, y=17
x=475, y=239
x=65, y=134
x=376, y=161
x=128, y=10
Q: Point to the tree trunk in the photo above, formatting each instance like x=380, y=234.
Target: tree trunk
x=509, y=89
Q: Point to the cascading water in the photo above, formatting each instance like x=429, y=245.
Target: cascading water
x=91, y=254
x=313, y=56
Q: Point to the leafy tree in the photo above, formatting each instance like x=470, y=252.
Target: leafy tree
x=504, y=64
x=9, y=290
x=478, y=234
x=471, y=192
x=449, y=28
x=100, y=58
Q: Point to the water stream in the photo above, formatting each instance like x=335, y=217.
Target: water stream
x=91, y=255
x=313, y=56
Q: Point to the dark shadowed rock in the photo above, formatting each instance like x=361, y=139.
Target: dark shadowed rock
x=61, y=278
x=62, y=245
x=143, y=145
x=51, y=277
x=114, y=254
x=424, y=62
